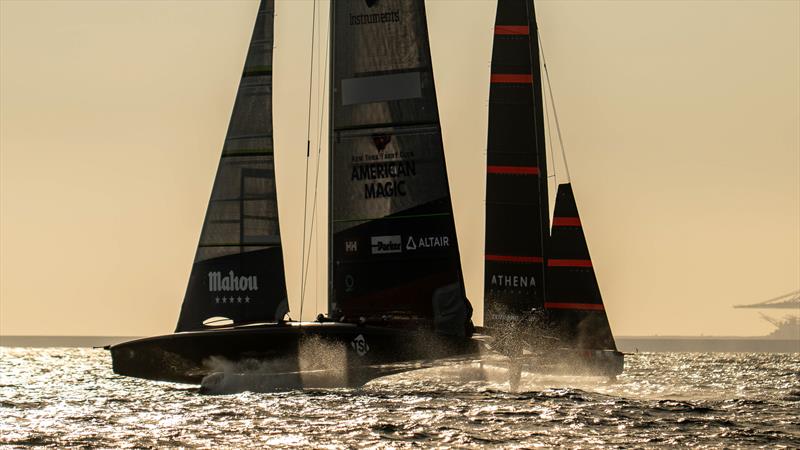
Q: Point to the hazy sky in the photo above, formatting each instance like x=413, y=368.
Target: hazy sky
x=681, y=121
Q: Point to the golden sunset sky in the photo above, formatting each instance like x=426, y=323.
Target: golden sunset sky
x=681, y=122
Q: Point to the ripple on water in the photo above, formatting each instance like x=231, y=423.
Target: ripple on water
x=70, y=398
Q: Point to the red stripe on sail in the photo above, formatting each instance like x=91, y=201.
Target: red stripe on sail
x=569, y=262
x=578, y=306
x=514, y=258
x=511, y=30
x=513, y=170
x=566, y=221
x=522, y=78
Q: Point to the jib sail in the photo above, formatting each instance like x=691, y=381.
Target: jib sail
x=574, y=303
x=517, y=211
x=393, y=249
x=238, y=269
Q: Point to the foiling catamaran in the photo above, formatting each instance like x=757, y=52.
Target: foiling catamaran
x=396, y=297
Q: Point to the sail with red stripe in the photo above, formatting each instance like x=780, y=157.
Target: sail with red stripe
x=574, y=303
x=517, y=211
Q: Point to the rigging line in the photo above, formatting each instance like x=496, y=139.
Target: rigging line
x=308, y=151
x=319, y=155
x=550, y=141
x=553, y=105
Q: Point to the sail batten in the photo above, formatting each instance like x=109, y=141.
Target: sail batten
x=239, y=251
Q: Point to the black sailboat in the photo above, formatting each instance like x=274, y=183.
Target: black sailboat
x=542, y=303
x=396, y=297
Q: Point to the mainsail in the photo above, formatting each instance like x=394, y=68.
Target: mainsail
x=517, y=212
x=238, y=268
x=393, y=248
x=574, y=303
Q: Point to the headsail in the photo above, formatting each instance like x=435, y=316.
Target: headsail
x=394, y=253
x=517, y=212
x=574, y=303
x=238, y=269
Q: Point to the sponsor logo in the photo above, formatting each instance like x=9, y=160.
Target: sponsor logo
x=351, y=246
x=373, y=18
x=513, y=281
x=414, y=243
x=231, y=282
x=386, y=244
x=360, y=345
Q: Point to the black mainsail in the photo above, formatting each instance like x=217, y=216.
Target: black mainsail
x=393, y=249
x=238, y=268
x=517, y=214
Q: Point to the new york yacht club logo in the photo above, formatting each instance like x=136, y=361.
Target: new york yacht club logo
x=230, y=282
x=381, y=141
x=394, y=244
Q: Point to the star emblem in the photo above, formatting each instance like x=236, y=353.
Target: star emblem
x=247, y=299
x=217, y=299
x=239, y=299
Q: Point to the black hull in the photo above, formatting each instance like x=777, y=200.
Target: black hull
x=346, y=354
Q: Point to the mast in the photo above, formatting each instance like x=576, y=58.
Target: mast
x=331, y=71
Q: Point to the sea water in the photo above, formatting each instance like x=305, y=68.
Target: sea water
x=63, y=397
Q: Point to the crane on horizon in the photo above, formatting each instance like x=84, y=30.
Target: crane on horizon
x=786, y=301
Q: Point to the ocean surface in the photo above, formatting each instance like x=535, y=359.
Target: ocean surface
x=68, y=397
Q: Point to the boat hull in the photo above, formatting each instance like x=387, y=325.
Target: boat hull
x=575, y=362
x=295, y=354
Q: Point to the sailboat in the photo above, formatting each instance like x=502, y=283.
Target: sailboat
x=396, y=296
x=542, y=302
